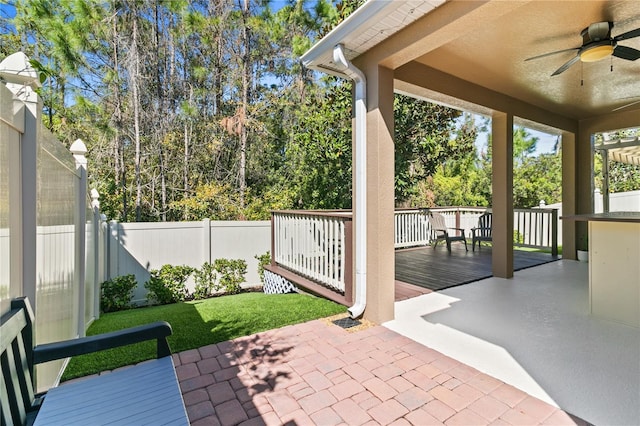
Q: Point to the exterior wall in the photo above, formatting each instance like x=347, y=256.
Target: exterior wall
x=137, y=248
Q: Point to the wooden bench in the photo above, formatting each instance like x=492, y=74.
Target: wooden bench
x=147, y=393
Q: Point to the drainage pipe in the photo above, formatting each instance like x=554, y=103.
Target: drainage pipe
x=360, y=159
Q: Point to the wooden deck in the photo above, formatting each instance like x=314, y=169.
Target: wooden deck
x=425, y=269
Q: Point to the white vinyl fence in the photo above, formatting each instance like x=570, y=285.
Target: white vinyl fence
x=137, y=248
x=43, y=217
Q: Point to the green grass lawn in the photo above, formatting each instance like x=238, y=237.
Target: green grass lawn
x=200, y=323
x=537, y=250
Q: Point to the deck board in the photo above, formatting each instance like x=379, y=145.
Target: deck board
x=437, y=269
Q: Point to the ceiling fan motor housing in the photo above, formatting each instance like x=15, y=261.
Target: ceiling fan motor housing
x=597, y=31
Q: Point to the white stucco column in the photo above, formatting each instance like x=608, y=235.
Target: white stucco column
x=502, y=197
x=380, y=195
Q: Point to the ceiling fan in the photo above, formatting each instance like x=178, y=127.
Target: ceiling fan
x=597, y=44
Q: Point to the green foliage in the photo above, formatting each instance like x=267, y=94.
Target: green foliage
x=213, y=201
x=231, y=273
x=222, y=274
x=263, y=260
x=168, y=284
x=426, y=141
x=518, y=238
x=319, y=159
x=624, y=177
x=458, y=190
x=537, y=178
x=117, y=292
x=524, y=145
x=206, y=281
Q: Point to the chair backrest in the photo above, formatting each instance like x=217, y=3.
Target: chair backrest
x=16, y=354
x=484, y=223
x=437, y=221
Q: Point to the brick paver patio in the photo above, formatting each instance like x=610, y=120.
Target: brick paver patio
x=319, y=374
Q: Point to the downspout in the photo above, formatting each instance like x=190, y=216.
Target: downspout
x=360, y=82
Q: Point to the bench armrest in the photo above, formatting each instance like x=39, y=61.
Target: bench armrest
x=84, y=345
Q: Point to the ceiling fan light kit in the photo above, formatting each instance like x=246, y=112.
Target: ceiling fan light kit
x=597, y=53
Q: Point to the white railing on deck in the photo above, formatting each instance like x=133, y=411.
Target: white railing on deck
x=534, y=228
x=313, y=244
x=411, y=228
x=537, y=228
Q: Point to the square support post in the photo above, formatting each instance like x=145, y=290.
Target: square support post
x=380, y=269
x=569, y=160
x=502, y=183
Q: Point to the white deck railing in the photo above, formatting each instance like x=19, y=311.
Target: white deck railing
x=536, y=228
x=317, y=244
x=314, y=245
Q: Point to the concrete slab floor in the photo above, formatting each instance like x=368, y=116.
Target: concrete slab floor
x=535, y=332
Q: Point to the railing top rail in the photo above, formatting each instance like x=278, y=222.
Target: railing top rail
x=343, y=214
x=536, y=209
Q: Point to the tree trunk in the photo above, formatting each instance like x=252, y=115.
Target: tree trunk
x=133, y=76
x=245, y=104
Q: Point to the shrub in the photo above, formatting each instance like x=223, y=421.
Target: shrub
x=167, y=284
x=206, y=281
x=518, y=238
x=231, y=273
x=263, y=260
x=117, y=292
x=222, y=274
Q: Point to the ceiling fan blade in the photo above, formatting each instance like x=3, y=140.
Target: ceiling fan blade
x=552, y=53
x=624, y=106
x=625, y=52
x=566, y=65
x=628, y=35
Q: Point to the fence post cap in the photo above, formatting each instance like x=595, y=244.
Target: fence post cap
x=17, y=69
x=78, y=147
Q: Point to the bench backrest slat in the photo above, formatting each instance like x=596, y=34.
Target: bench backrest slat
x=16, y=344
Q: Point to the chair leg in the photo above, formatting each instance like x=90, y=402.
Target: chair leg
x=465, y=245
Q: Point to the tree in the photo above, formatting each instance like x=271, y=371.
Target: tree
x=537, y=179
x=428, y=142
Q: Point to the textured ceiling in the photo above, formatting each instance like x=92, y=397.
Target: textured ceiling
x=494, y=54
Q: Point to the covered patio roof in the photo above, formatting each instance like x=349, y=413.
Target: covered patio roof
x=486, y=44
